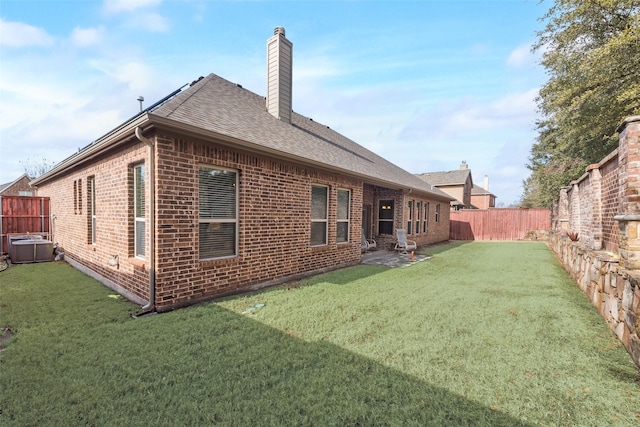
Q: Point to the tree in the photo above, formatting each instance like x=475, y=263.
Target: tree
x=591, y=51
x=35, y=168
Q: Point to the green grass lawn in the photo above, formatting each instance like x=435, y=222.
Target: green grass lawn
x=481, y=334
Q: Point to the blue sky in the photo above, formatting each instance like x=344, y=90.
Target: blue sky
x=425, y=84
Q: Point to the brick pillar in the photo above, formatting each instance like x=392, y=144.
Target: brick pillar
x=563, y=209
x=574, y=208
x=629, y=180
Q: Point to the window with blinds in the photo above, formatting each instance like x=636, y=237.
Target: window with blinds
x=139, y=211
x=343, y=216
x=218, y=219
x=319, y=215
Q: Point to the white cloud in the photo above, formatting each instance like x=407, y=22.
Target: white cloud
x=135, y=74
x=117, y=6
x=84, y=37
x=153, y=22
x=18, y=34
x=521, y=56
x=453, y=118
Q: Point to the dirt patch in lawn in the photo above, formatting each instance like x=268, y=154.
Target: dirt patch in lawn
x=5, y=334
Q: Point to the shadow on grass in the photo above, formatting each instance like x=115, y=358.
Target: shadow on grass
x=208, y=365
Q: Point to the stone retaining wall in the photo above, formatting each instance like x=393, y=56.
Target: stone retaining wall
x=614, y=291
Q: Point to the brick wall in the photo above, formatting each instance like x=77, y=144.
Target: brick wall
x=483, y=201
x=589, y=204
x=436, y=231
x=274, y=219
x=604, y=206
x=611, y=195
x=114, y=200
x=274, y=216
x=585, y=193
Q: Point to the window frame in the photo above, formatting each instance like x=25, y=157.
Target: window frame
x=139, y=252
x=343, y=220
x=418, y=224
x=91, y=209
x=390, y=205
x=220, y=221
x=410, y=205
x=425, y=225
x=319, y=220
x=75, y=197
x=438, y=212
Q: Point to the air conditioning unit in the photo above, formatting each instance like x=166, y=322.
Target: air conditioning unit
x=31, y=250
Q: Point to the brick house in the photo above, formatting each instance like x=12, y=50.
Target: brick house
x=216, y=190
x=18, y=187
x=481, y=197
x=455, y=183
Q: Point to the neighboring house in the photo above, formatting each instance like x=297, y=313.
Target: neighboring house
x=215, y=190
x=482, y=198
x=456, y=183
x=18, y=187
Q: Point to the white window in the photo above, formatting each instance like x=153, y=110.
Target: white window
x=419, y=216
x=218, y=217
x=425, y=220
x=343, y=216
x=319, y=215
x=438, y=212
x=91, y=201
x=410, y=222
x=139, y=211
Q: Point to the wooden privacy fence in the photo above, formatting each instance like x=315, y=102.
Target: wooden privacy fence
x=19, y=214
x=497, y=224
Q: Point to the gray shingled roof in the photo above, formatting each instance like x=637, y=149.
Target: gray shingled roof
x=9, y=184
x=216, y=105
x=455, y=177
x=477, y=191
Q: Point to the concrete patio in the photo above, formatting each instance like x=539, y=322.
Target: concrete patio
x=391, y=258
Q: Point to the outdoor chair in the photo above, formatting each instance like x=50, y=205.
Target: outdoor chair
x=367, y=244
x=403, y=245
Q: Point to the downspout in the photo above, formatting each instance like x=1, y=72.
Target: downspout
x=152, y=223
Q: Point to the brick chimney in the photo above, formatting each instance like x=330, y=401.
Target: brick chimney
x=279, y=73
